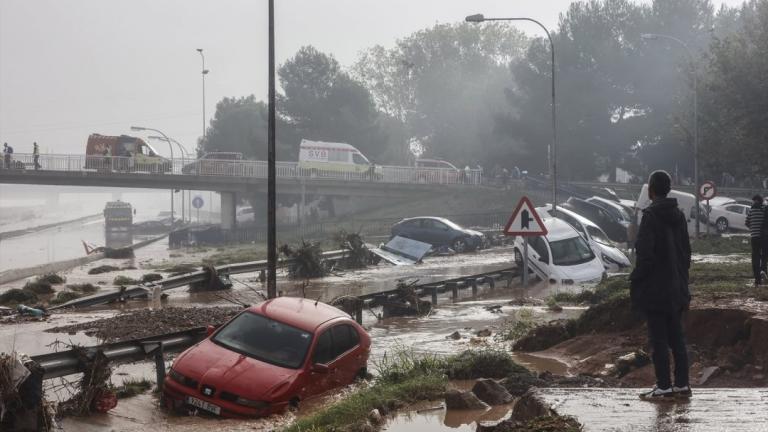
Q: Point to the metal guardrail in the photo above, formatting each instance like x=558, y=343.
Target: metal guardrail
x=183, y=280
x=69, y=362
x=242, y=168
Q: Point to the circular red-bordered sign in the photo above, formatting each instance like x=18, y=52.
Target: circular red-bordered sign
x=707, y=190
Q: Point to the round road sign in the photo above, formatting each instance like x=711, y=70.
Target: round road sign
x=707, y=190
x=197, y=202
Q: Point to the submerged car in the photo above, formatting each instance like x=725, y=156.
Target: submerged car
x=439, y=232
x=612, y=257
x=268, y=357
x=562, y=256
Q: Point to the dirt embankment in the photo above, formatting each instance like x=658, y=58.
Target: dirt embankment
x=145, y=323
x=727, y=342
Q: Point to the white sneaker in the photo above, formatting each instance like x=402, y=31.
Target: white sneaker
x=657, y=394
x=682, y=392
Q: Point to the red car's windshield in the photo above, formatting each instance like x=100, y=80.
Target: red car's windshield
x=265, y=339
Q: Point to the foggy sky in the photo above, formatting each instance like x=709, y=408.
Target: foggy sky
x=75, y=67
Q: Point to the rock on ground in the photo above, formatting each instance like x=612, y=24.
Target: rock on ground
x=491, y=392
x=463, y=400
x=530, y=406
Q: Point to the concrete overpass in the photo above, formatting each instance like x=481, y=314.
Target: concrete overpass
x=232, y=177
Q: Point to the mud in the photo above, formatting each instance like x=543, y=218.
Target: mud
x=133, y=325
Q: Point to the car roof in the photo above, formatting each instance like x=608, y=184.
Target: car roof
x=334, y=145
x=437, y=218
x=606, y=201
x=305, y=314
x=581, y=219
x=558, y=229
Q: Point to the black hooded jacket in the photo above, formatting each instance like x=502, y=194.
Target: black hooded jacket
x=659, y=281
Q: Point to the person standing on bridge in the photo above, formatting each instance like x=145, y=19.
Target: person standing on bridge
x=36, y=155
x=7, y=152
x=659, y=285
x=756, y=222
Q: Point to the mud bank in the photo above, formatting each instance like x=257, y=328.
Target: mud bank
x=727, y=344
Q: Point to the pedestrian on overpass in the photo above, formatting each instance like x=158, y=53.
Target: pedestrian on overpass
x=7, y=152
x=36, y=155
x=659, y=286
x=756, y=222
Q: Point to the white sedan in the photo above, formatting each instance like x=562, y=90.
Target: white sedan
x=729, y=216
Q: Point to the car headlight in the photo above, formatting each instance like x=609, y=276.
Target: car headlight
x=251, y=403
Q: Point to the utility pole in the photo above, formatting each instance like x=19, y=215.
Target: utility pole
x=271, y=171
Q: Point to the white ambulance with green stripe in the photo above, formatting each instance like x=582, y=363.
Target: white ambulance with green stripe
x=327, y=157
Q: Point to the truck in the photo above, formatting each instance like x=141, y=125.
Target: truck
x=123, y=153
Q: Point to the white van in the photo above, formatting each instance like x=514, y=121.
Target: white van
x=328, y=158
x=686, y=202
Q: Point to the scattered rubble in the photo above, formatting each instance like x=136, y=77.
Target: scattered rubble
x=307, y=260
x=102, y=269
x=133, y=325
x=491, y=392
x=455, y=336
x=405, y=302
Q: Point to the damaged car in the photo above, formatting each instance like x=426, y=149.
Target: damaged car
x=439, y=232
x=267, y=358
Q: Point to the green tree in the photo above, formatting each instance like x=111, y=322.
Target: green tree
x=444, y=84
x=734, y=103
x=321, y=102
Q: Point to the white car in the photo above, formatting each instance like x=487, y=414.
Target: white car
x=561, y=257
x=612, y=257
x=245, y=214
x=729, y=216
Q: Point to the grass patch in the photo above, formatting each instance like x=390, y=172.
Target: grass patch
x=17, y=296
x=102, y=269
x=124, y=280
x=64, y=296
x=85, y=288
x=151, y=277
x=720, y=245
x=38, y=287
x=52, y=279
x=487, y=363
x=132, y=387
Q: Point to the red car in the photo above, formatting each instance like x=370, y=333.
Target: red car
x=268, y=357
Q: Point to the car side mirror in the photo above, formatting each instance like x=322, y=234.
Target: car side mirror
x=320, y=368
x=209, y=330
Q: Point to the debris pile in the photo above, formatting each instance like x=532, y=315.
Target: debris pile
x=94, y=390
x=307, y=260
x=21, y=388
x=357, y=256
x=405, y=302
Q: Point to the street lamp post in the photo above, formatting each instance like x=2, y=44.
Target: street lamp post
x=271, y=169
x=170, y=147
x=689, y=53
x=552, y=151
x=204, y=73
x=184, y=155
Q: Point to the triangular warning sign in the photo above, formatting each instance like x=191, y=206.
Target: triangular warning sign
x=525, y=221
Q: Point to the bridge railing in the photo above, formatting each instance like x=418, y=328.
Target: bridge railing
x=242, y=168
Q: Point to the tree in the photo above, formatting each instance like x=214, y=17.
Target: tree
x=735, y=98
x=240, y=125
x=444, y=84
x=321, y=102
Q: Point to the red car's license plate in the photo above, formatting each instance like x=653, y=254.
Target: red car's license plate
x=195, y=402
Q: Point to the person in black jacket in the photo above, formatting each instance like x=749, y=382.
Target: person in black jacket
x=659, y=285
x=759, y=241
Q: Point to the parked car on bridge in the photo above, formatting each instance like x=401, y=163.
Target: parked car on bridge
x=270, y=356
x=562, y=257
x=436, y=171
x=214, y=163
x=612, y=257
x=439, y=232
x=729, y=216
x=123, y=153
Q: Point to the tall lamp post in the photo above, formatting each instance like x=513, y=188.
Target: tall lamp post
x=689, y=53
x=271, y=170
x=552, y=152
x=184, y=155
x=170, y=147
x=204, y=73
